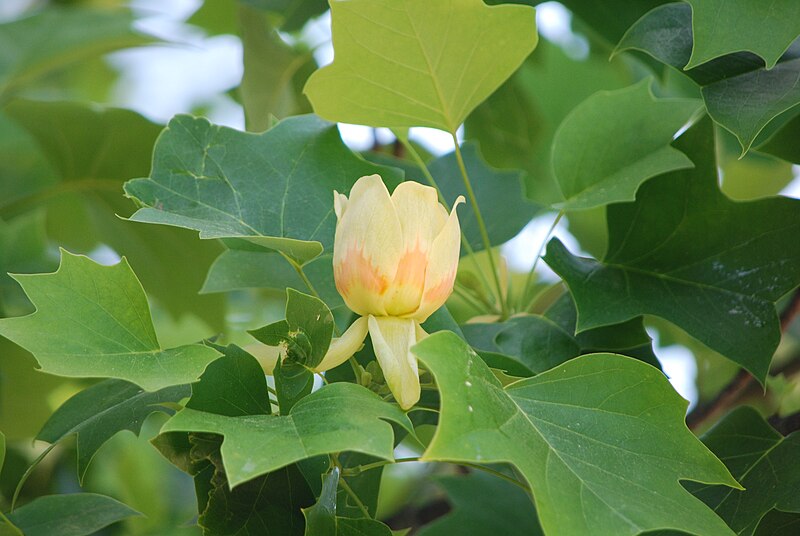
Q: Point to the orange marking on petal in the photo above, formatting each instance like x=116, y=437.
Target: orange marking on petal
x=411, y=269
x=441, y=291
x=356, y=269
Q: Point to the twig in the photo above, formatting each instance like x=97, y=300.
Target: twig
x=743, y=383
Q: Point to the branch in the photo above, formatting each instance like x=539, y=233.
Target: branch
x=743, y=384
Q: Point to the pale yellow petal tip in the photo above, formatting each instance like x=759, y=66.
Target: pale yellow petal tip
x=339, y=204
x=267, y=356
x=392, y=339
x=460, y=199
x=343, y=347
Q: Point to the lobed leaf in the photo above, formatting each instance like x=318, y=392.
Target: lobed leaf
x=601, y=440
x=338, y=417
x=415, y=63
x=76, y=514
x=667, y=257
x=93, y=321
x=272, y=189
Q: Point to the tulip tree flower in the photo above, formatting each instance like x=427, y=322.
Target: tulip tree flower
x=394, y=262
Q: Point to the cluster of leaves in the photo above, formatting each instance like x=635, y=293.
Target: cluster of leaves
x=548, y=396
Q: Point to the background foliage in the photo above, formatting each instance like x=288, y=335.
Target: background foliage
x=660, y=139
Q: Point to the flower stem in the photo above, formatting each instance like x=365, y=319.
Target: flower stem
x=481, y=227
x=529, y=279
x=429, y=177
x=27, y=473
x=346, y=487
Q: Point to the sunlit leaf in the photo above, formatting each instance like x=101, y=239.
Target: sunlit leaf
x=418, y=63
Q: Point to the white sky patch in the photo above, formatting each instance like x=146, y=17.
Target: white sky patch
x=680, y=367
x=520, y=251
x=554, y=23
x=793, y=188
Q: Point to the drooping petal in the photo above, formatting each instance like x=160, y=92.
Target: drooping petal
x=421, y=219
x=442, y=266
x=367, y=246
x=267, y=356
x=392, y=339
x=343, y=347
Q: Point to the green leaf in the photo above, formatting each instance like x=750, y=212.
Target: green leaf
x=321, y=518
x=268, y=86
x=722, y=27
x=23, y=248
x=484, y=505
x=338, y=417
x=238, y=269
x=55, y=38
x=740, y=93
x=77, y=514
x=346, y=526
x=270, y=504
x=306, y=332
x=614, y=141
x=601, y=440
x=94, y=321
x=223, y=182
x=762, y=460
x=97, y=413
x=93, y=151
x=609, y=19
x=418, y=63
x=777, y=523
x=667, y=258
x=293, y=382
x=233, y=385
x=2, y=450
x=530, y=344
x=783, y=143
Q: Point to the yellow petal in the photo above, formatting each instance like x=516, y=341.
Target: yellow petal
x=421, y=218
x=367, y=246
x=442, y=266
x=392, y=339
x=267, y=356
x=343, y=347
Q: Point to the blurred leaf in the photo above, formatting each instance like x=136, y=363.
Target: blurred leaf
x=93, y=150
x=667, y=258
x=762, y=460
x=23, y=248
x=77, y=514
x=238, y=269
x=25, y=392
x=609, y=19
x=100, y=411
x=614, y=141
x=216, y=17
x=555, y=84
x=722, y=27
x=273, y=189
x=783, y=143
x=338, y=417
x=94, y=321
x=233, y=385
x=589, y=437
x=739, y=92
x=57, y=37
x=410, y=70
x=346, y=526
x=295, y=13
x=267, y=87
x=777, y=523
x=484, y=505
